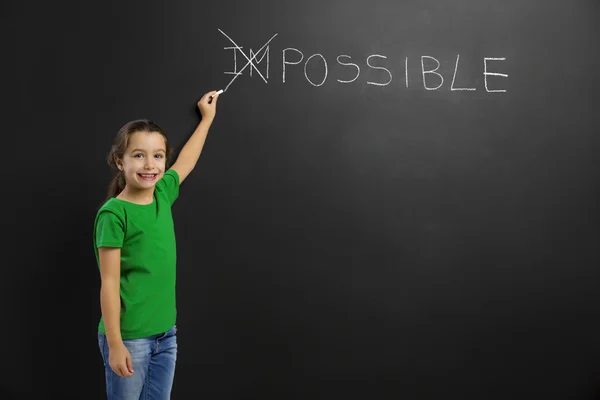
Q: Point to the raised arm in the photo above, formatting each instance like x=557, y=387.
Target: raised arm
x=190, y=152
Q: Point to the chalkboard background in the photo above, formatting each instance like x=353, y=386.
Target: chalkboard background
x=347, y=240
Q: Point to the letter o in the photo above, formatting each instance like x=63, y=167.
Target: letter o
x=306, y=75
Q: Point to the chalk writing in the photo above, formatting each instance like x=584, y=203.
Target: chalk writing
x=247, y=58
x=432, y=71
x=285, y=62
x=385, y=69
x=454, y=77
x=356, y=66
x=485, y=73
x=265, y=54
x=431, y=74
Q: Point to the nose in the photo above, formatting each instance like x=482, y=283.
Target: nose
x=149, y=164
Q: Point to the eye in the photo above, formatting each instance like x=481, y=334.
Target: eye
x=138, y=154
x=159, y=156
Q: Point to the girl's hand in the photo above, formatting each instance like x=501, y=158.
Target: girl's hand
x=120, y=360
x=208, y=110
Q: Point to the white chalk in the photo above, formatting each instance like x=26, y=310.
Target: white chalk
x=212, y=96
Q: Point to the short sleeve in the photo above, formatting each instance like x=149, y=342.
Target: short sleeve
x=169, y=185
x=110, y=231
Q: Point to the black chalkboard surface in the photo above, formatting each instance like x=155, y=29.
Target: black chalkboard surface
x=397, y=199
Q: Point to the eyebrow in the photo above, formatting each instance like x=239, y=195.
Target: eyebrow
x=157, y=150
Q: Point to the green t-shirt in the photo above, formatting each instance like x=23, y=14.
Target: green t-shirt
x=146, y=236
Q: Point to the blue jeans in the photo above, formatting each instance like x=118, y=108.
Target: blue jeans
x=153, y=360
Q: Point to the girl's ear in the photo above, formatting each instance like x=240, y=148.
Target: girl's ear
x=119, y=164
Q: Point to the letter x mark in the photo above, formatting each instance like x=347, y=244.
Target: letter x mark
x=246, y=57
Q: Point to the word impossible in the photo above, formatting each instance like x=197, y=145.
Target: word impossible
x=291, y=57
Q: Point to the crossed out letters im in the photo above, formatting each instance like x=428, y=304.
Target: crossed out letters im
x=248, y=59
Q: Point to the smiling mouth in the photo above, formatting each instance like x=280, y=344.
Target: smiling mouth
x=148, y=177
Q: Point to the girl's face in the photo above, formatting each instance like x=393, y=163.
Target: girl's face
x=144, y=160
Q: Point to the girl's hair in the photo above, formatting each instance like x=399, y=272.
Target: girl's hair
x=120, y=145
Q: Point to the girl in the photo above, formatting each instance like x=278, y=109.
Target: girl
x=134, y=243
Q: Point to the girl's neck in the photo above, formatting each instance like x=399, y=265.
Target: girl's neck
x=142, y=197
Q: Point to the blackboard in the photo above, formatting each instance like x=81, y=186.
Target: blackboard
x=396, y=199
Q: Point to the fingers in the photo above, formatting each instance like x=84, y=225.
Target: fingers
x=124, y=369
x=129, y=364
x=208, y=104
x=213, y=98
x=206, y=96
x=118, y=369
x=209, y=97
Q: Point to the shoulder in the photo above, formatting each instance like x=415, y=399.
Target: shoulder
x=110, y=225
x=169, y=180
x=168, y=186
x=111, y=208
